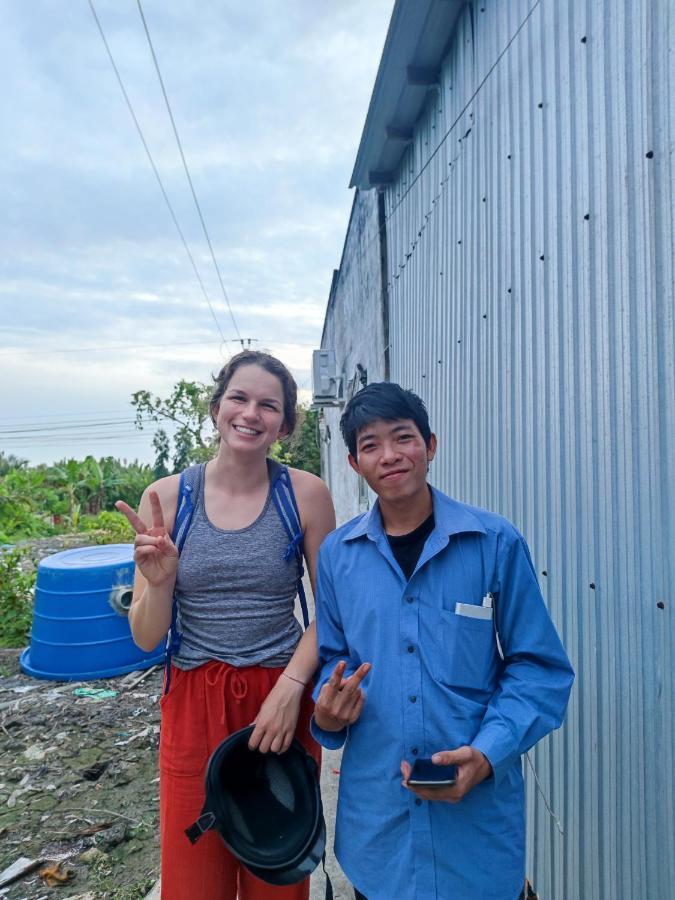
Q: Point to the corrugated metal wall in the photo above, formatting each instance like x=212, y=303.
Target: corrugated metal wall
x=530, y=245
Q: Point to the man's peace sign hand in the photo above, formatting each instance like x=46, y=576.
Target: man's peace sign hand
x=155, y=554
x=341, y=699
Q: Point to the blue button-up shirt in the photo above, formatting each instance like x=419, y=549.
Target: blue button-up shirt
x=437, y=682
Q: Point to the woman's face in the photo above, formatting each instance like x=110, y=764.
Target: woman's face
x=250, y=415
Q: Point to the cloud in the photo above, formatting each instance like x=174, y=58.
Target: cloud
x=269, y=100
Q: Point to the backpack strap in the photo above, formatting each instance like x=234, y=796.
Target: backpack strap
x=181, y=526
x=287, y=508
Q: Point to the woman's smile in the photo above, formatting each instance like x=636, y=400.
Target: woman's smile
x=244, y=429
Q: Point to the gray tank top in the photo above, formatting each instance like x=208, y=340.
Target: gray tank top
x=234, y=589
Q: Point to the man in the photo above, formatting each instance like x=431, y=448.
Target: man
x=434, y=641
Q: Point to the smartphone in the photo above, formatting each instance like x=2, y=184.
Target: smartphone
x=426, y=774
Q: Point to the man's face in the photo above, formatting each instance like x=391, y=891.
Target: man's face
x=393, y=458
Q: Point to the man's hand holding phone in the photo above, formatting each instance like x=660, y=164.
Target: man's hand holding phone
x=341, y=700
x=471, y=767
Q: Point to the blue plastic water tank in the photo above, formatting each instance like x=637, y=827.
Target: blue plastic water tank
x=80, y=624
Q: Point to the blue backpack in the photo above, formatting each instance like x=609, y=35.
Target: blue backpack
x=287, y=509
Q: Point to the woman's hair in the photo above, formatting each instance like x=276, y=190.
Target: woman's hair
x=270, y=364
x=382, y=400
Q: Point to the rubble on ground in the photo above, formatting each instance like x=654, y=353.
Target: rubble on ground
x=78, y=785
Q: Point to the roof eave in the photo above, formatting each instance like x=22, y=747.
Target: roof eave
x=417, y=40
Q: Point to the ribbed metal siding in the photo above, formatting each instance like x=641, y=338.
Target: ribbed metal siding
x=531, y=305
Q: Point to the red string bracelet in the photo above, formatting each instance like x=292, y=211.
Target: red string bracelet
x=296, y=680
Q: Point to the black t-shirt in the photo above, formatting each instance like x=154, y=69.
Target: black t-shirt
x=407, y=548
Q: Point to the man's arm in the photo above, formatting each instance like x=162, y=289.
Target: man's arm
x=339, y=700
x=532, y=694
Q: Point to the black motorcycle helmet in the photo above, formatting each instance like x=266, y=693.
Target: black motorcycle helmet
x=266, y=808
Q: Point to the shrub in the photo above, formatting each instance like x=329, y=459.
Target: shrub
x=111, y=528
x=16, y=599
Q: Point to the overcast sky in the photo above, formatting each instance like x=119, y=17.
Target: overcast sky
x=97, y=293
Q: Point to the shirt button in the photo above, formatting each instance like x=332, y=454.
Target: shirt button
x=411, y=649
x=409, y=599
x=413, y=698
x=418, y=802
x=414, y=751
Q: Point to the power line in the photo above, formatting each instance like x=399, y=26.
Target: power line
x=83, y=442
x=13, y=420
x=71, y=435
x=29, y=434
x=80, y=440
x=245, y=342
x=154, y=169
x=185, y=166
x=109, y=348
x=75, y=426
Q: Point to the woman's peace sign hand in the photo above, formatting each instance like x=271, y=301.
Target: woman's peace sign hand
x=155, y=554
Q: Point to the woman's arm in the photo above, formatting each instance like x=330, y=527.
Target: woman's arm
x=278, y=716
x=317, y=517
x=156, y=560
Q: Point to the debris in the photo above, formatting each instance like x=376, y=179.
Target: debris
x=113, y=837
x=59, y=801
x=128, y=683
x=134, y=737
x=36, y=751
x=121, y=773
x=94, y=693
x=56, y=874
x=19, y=790
x=93, y=773
x=21, y=866
x=88, y=831
x=92, y=854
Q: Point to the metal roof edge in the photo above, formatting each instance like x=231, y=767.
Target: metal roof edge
x=412, y=23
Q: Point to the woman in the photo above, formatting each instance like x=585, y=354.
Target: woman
x=241, y=657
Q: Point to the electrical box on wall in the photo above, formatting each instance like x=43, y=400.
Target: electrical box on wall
x=326, y=383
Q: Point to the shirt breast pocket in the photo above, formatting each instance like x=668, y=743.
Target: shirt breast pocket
x=467, y=651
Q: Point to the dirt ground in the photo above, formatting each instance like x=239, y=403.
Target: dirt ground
x=79, y=784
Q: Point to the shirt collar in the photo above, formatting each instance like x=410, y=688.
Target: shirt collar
x=451, y=517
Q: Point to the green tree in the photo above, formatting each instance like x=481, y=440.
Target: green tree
x=69, y=479
x=124, y=481
x=162, y=447
x=32, y=499
x=187, y=407
x=8, y=462
x=302, y=448
x=16, y=599
x=21, y=493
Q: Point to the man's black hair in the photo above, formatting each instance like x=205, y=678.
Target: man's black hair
x=382, y=400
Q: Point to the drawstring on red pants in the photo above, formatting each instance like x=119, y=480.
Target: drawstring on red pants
x=229, y=680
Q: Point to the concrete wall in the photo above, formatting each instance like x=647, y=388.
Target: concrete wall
x=355, y=328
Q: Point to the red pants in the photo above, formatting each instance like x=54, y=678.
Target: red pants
x=203, y=707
